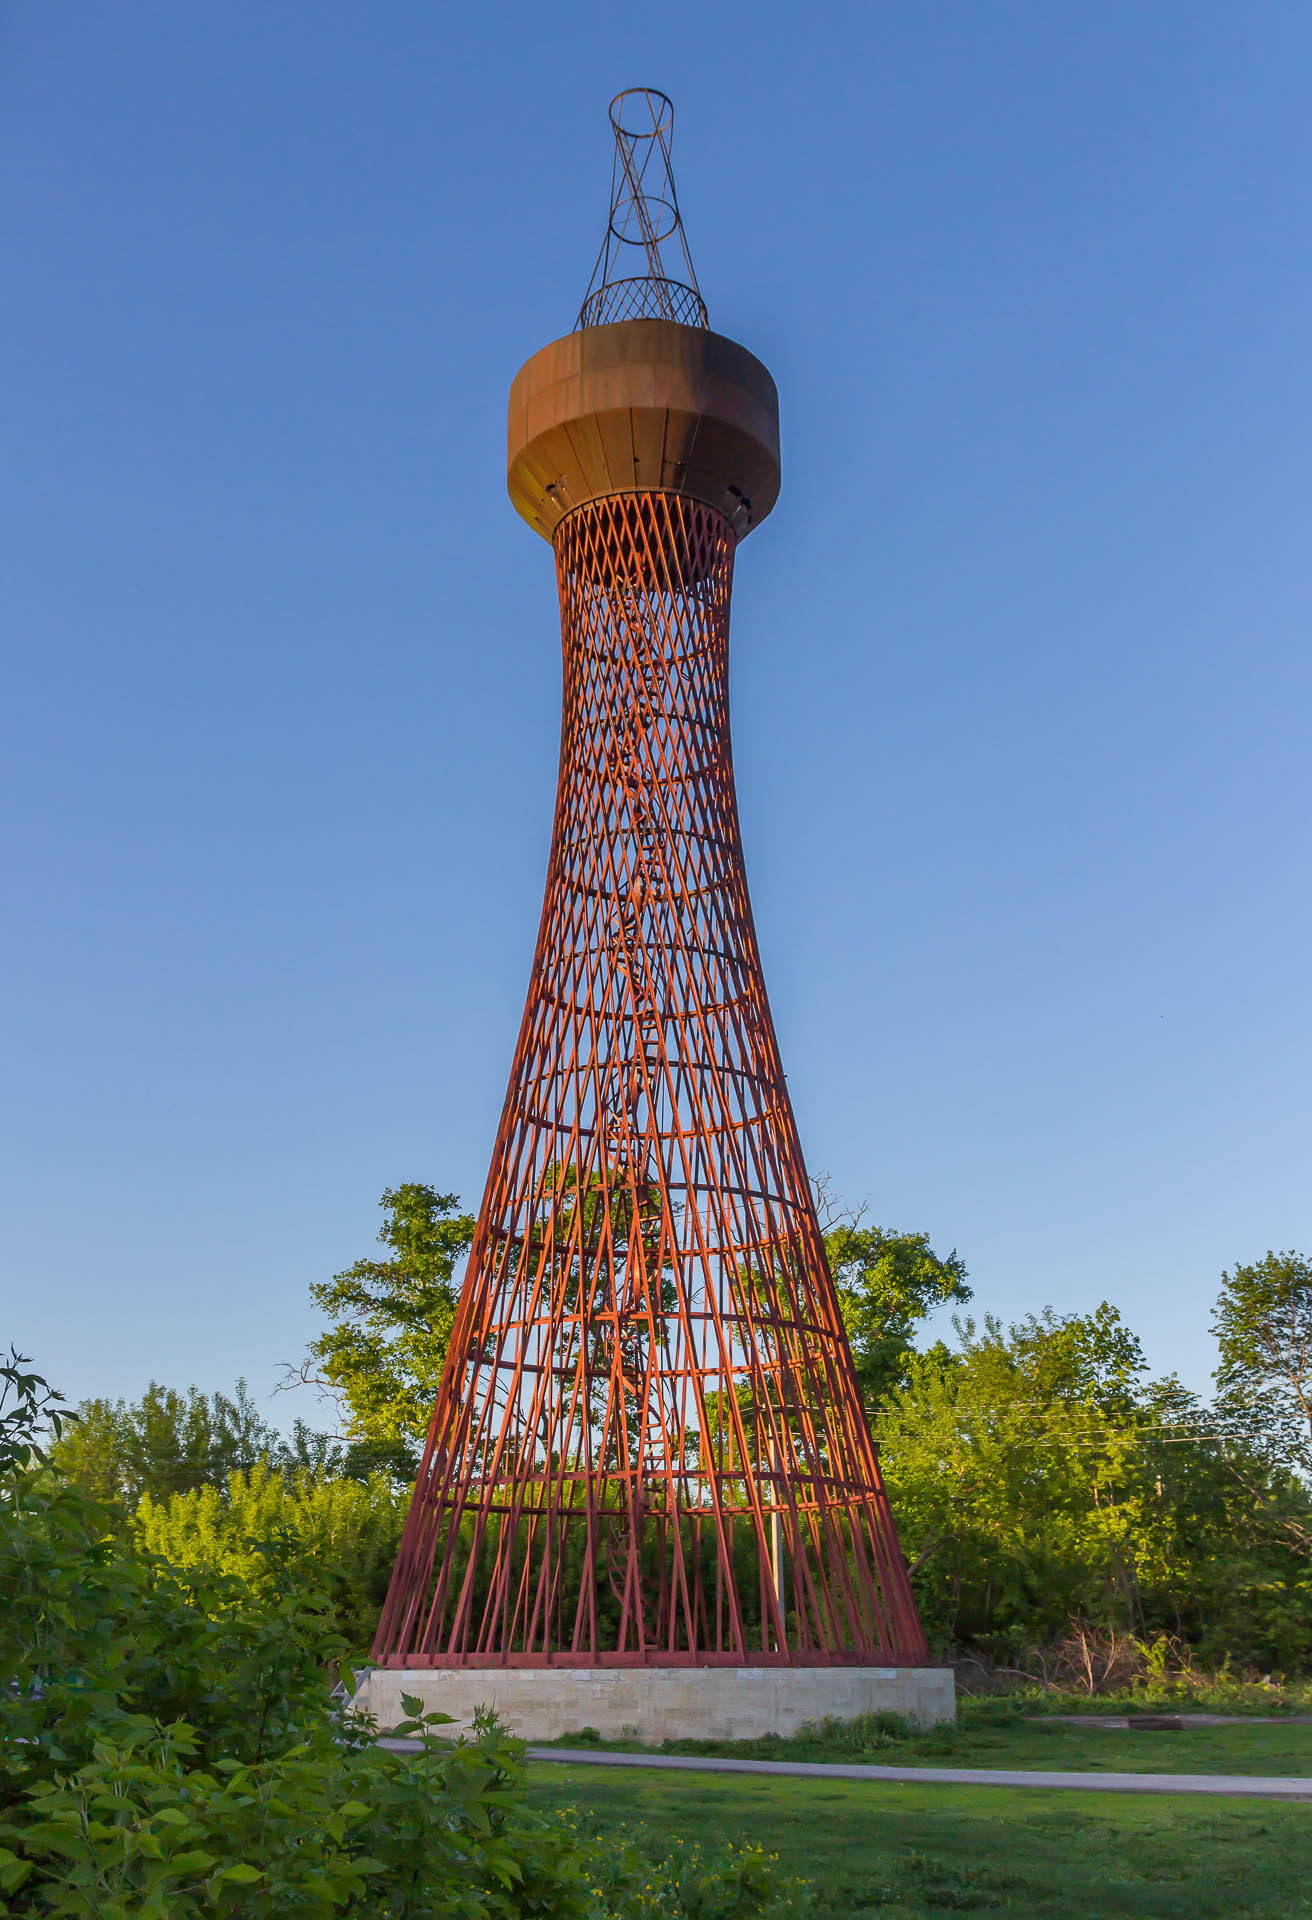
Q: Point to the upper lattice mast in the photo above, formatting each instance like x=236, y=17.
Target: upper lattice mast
x=629, y=281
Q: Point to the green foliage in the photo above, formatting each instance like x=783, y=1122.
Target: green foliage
x=96, y=1636
x=1234, y=1533
x=887, y=1283
x=168, y=1748
x=645, y=1875
x=336, y=1533
x=391, y=1325
x=169, y=1442
x=313, y=1832
x=1037, y=1481
x=28, y=1410
x=1263, y=1326
x=1009, y=1466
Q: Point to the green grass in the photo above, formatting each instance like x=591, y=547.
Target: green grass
x=1000, y=1740
x=917, y=1853
x=1206, y=1693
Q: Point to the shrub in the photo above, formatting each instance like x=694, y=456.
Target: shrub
x=334, y=1534
x=168, y=1749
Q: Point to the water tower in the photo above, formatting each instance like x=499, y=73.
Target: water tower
x=649, y=1499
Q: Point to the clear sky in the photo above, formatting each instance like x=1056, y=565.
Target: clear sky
x=1021, y=661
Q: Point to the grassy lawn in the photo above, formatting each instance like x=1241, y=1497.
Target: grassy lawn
x=992, y=1739
x=911, y=1852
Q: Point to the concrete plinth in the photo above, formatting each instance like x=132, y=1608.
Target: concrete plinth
x=660, y=1703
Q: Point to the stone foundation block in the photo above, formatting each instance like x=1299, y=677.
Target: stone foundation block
x=660, y=1703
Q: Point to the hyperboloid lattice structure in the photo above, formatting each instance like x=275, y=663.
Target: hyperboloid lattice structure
x=648, y=1446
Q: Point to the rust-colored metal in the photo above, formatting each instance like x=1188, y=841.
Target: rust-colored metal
x=629, y=281
x=643, y=407
x=648, y=1446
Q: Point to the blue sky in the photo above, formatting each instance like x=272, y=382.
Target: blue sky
x=1021, y=662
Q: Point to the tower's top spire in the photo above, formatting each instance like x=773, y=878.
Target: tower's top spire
x=629, y=281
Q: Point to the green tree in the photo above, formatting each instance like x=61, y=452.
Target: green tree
x=1230, y=1573
x=1038, y=1479
x=390, y=1327
x=1263, y=1326
x=1013, y=1467
x=887, y=1284
x=169, y=1442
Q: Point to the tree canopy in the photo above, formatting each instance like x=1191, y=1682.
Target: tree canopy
x=1037, y=1478
x=169, y=1442
x=887, y=1284
x=390, y=1324
x=1263, y=1327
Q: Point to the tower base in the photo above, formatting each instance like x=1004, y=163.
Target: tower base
x=660, y=1703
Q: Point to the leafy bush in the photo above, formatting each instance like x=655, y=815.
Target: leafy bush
x=315, y=1830
x=337, y=1534
x=168, y=1749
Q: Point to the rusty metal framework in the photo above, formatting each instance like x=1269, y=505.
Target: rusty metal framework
x=629, y=281
x=648, y=1446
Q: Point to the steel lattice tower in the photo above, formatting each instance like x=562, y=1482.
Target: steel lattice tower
x=648, y=1445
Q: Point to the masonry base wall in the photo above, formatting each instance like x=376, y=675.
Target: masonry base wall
x=660, y=1703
